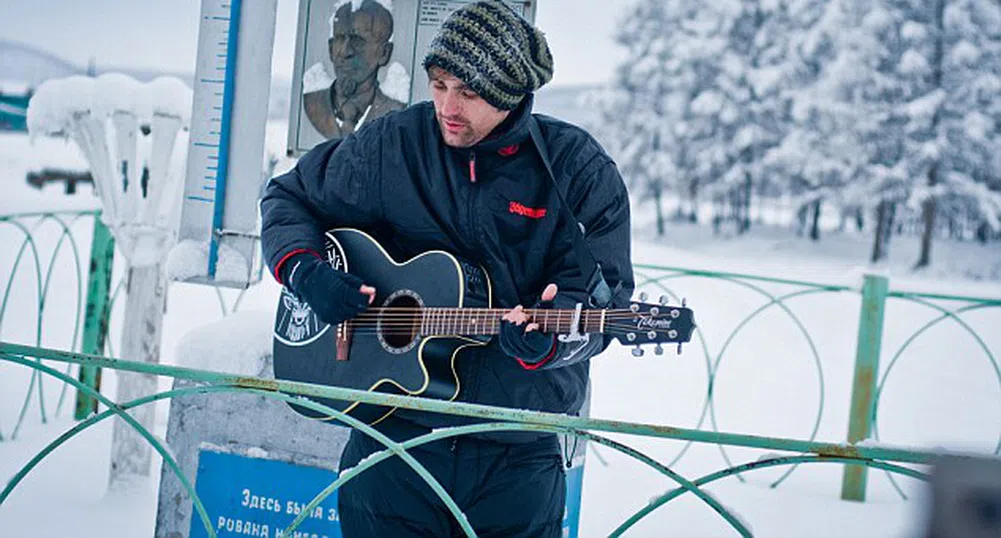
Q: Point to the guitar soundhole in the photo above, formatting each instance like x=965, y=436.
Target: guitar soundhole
x=399, y=326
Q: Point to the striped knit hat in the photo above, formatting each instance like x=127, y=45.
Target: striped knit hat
x=494, y=51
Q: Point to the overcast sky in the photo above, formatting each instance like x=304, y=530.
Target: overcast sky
x=163, y=34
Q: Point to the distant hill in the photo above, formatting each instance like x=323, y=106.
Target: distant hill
x=25, y=67
x=29, y=66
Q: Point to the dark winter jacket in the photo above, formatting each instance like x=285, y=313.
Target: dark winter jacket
x=492, y=204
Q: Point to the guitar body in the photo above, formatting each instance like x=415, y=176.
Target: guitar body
x=388, y=355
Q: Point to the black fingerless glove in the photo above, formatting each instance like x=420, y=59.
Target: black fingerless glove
x=529, y=347
x=334, y=296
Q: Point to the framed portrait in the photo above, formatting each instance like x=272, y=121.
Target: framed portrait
x=356, y=60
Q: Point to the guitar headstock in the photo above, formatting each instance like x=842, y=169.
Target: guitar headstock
x=645, y=323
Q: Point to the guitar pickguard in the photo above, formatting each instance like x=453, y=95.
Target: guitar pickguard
x=477, y=286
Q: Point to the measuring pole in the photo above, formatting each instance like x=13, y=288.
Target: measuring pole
x=226, y=148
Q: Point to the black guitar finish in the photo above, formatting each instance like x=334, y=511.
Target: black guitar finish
x=397, y=361
x=426, y=311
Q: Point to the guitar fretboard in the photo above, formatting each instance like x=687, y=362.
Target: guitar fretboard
x=487, y=321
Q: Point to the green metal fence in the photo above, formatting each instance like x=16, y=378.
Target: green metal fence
x=887, y=459
x=755, y=302
x=47, y=252
x=873, y=295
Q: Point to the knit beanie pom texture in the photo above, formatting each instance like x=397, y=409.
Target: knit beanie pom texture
x=494, y=51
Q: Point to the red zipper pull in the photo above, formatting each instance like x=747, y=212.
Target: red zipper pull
x=472, y=166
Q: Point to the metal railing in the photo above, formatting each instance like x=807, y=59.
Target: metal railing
x=755, y=301
x=887, y=459
x=765, y=295
x=40, y=244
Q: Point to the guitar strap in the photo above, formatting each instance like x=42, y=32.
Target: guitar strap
x=599, y=294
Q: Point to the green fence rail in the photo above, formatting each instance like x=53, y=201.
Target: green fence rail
x=887, y=459
x=868, y=380
x=875, y=332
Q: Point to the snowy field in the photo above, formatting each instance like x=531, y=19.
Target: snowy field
x=943, y=392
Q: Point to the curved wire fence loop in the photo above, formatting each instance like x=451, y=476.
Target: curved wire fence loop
x=42, y=288
x=527, y=420
x=705, y=352
x=119, y=411
x=945, y=315
x=393, y=448
x=65, y=235
x=714, y=367
x=761, y=464
x=780, y=301
x=28, y=241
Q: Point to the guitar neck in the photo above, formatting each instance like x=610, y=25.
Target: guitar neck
x=487, y=321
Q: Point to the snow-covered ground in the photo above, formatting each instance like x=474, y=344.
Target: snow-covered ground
x=943, y=392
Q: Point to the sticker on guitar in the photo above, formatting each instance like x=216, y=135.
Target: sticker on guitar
x=297, y=324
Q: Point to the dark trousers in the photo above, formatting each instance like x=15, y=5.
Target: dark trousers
x=505, y=490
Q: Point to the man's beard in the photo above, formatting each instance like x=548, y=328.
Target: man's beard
x=348, y=87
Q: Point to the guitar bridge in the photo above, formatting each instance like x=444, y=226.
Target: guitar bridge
x=343, y=342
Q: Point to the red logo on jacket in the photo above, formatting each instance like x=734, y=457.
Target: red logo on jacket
x=530, y=212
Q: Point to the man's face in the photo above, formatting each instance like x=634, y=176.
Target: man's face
x=359, y=46
x=464, y=117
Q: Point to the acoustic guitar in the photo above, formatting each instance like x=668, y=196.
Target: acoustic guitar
x=426, y=311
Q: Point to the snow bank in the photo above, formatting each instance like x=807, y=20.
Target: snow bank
x=189, y=258
x=239, y=344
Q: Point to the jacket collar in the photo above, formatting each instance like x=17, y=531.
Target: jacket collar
x=513, y=130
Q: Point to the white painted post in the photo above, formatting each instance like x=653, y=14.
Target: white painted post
x=141, y=335
x=128, y=132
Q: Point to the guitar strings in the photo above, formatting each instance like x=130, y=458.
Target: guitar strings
x=411, y=328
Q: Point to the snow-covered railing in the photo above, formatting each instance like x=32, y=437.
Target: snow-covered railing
x=595, y=430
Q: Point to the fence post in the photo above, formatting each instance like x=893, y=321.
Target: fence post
x=870, y=338
x=97, y=314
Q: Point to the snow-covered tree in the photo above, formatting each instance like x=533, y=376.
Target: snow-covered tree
x=818, y=156
x=959, y=158
x=672, y=50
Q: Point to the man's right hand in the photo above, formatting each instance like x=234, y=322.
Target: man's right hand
x=334, y=296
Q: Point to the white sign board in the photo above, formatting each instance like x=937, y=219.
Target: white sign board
x=219, y=238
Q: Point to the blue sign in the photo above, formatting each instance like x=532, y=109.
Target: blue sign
x=249, y=496
x=246, y=496
x=575, y=487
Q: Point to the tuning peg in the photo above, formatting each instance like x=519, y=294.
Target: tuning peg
x=634, y=308
x=658, y=350
x=630, y=336
x=679, y=348
x=654, y=311
x=672, y=334
x=637, y=351
x=684, y=302
x=643, y=296
x=651, y=334
x=662, y=300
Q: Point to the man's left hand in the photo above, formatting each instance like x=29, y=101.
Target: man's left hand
x=519, y=335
